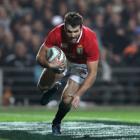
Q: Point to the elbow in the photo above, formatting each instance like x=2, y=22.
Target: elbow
x=40, y=57
x=93, y=74
x=41, y=61
x=93, y=78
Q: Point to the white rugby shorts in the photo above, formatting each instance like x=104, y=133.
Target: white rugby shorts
x=76, y=72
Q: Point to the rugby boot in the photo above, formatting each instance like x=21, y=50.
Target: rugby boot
x=56, y=129
x=48, y=94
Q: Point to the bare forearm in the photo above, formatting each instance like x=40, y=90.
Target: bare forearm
x=42, y=62
x=90, y=79
x=41, y=56
x=88, y=82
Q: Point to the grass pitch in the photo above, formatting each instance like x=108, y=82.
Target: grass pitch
x=101, y=123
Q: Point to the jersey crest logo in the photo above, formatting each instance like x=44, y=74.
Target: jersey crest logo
x=79, y=50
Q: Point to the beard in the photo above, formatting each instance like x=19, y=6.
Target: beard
x=72, y=40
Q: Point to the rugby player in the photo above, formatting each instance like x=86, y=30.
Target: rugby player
x=80, y=46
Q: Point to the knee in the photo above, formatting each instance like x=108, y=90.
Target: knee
x=67, y=99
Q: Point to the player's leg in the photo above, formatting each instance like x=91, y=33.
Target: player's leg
x=78, y=73
x=47, y=84
x=65, y=105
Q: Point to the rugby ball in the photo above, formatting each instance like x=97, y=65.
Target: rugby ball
x=56, y=53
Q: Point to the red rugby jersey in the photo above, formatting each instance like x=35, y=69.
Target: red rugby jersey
x=85, y=49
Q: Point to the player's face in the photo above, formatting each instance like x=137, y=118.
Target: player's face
x=72, y=33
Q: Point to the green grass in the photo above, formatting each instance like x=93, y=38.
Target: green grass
x=104, y=123
x=32, y=114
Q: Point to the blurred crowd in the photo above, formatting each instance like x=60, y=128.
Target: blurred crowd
x=25, y=23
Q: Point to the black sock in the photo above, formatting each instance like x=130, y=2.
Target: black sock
x=62, y=111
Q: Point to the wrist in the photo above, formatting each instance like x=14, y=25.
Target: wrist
x=77, y=96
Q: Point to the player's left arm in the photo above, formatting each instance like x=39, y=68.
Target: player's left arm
x=88, y=82
x=90, y=79
x=92, y=65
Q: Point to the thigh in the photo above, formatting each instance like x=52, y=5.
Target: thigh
x=70, y=90
x=48, y=79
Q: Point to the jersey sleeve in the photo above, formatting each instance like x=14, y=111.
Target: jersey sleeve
x=92, y=49
x=50, y=40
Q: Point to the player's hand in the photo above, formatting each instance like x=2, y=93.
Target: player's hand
x=76, y=101
x=56, y=64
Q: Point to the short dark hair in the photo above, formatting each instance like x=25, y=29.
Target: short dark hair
x=73, y=18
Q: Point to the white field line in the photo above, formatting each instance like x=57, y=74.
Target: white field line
x=75, y=129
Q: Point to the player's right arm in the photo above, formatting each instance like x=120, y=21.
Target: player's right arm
x=49, y=42
x=41, y=56
x=42, y=53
